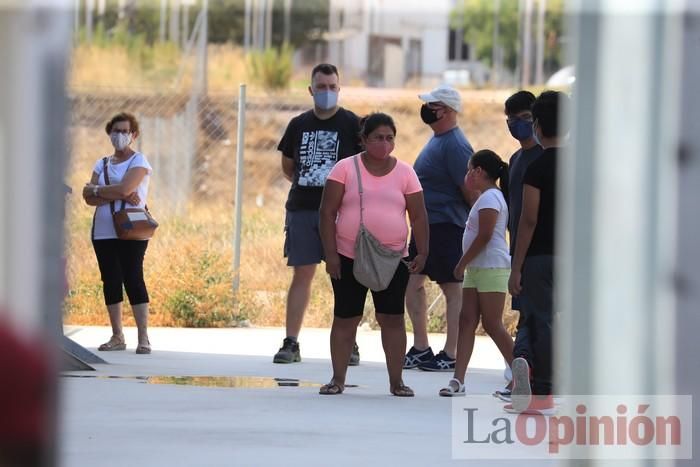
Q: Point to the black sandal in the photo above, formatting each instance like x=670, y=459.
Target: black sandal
x=402, y=391
x=331, y=389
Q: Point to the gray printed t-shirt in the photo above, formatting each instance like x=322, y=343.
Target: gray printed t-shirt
x=441, y=167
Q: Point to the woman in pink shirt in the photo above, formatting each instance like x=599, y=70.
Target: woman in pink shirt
x=390, y=189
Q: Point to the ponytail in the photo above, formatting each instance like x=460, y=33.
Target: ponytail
x=494, y=167
x=504, y=178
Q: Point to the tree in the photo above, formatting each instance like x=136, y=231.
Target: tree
x=477, y=19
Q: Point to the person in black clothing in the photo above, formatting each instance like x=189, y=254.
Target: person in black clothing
x=312, y=143
x=532, y=277
x=518, y=110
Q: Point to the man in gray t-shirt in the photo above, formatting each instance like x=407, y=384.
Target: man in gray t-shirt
x=441, y=167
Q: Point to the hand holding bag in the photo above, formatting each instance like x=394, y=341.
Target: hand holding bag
x=374, y=265
x=131, y=223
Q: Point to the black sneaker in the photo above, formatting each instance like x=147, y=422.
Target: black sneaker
x=355, y=355
x=415, y=357
x=440, y=362
x=288, y=353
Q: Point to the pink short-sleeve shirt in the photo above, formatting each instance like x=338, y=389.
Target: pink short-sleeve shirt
x=384, y=202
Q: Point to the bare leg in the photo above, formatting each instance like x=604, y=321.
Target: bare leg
x=417, y=307
x=491, y=305
x=453, y=297
x=141, y=318
x=468, y=322
x=115, y=319
x=298, y=298
x=394, y=343
x=343, y=334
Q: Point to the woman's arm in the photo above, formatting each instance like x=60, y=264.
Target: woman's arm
x=487, y=224
x=415, y=205
x=526, y=229
x=88, y=195
x=330, y=203
x=128, y=185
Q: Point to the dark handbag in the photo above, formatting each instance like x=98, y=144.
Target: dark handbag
x=131, y=223
x=374, y=265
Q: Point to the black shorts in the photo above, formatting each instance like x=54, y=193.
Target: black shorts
x=350, y=295
x=444, y=254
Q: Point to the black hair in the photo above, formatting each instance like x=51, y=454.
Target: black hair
x=519, y=102
x=326, y=69
x=494, y=166
x=371, y=122
x=546, y=110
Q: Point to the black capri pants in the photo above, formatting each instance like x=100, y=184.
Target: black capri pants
x=121, y=263
x=349, y=295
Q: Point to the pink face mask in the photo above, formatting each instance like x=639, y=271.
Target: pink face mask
x=379, y=149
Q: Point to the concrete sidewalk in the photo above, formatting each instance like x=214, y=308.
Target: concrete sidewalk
x=129, y=421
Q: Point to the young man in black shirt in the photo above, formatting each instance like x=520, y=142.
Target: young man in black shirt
x=532, y=277
x=518, y=110
x=312, y=143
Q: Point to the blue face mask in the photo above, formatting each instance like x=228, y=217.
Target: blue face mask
x=325, y=100
x=520, y=129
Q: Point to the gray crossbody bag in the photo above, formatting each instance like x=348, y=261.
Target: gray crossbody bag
x=374, y=264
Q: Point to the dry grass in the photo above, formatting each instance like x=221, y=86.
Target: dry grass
x=189, y=262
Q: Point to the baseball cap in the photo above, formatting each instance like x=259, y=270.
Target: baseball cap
x=445, y=94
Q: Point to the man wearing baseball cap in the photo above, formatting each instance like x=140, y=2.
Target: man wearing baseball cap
x=441, y=167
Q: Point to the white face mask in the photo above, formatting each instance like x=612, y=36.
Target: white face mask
x=120, y=140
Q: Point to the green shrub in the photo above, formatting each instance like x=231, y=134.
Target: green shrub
x=271, y=68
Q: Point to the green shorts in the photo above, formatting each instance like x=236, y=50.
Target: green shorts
x=486, y=280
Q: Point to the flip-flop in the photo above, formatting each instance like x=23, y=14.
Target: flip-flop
x=331, y=389
x=402, y=391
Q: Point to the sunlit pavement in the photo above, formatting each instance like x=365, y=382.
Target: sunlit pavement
x=252, y=419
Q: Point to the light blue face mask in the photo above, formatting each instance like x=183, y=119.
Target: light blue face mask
x=325, y=100
x=534, y=135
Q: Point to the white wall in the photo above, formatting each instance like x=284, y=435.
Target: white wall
x=401, y=19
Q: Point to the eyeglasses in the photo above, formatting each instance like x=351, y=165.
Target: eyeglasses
x=123, y=132
x=381, y=138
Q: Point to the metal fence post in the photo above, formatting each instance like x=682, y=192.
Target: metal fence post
x=240, y=145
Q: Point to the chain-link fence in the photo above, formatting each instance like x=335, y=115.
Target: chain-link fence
x=191, y=144
x=188, y=134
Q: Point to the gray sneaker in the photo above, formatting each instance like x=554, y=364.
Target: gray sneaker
x=355, y=355
x=288, y=353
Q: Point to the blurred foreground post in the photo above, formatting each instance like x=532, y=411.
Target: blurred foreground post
x=628, y=279
x=34, y=44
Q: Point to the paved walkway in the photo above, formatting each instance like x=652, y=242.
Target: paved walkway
x=129, y=422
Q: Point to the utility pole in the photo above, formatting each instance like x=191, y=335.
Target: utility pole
x=527, y=45
x=539, y=57
x=269, y=7
x=287, y=21
x=174, y=24
x=161, y=25
x=89, y=7
x=247, y=16
x=494, y=49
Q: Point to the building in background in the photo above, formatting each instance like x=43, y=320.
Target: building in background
x=392, y=44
